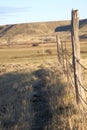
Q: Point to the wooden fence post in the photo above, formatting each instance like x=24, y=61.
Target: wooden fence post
x=80, y=94
x=59, y=49
x=62, y=51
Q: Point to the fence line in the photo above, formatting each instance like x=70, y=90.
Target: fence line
x=68, y=70
x=70, y=64
x=81, y=84
x=73, y=70
x=80, y=64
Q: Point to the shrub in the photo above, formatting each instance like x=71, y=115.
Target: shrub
x=35, y=44
x=49, y=51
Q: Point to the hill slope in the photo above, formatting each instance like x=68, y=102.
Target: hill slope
x=26, y=32
x=32, y=28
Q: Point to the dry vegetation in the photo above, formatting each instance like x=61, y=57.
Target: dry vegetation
x=34, y=94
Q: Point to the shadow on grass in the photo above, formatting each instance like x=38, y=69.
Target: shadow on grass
x=84, y=36
x=63, y=28
x=40, y=102
x=66, y=28
x=20, y=107
x=7, y=28
x=36, y=103
x=12, y=93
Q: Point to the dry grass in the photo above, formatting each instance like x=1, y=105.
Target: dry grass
x=37, y=97
x=34, y=94
x=30, y=54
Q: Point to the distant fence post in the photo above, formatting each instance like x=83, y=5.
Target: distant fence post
x=62, y=49
x=76, y=57
x=59, y=49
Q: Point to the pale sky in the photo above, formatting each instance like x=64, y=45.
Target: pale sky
x=27, y=11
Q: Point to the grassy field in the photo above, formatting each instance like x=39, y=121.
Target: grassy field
x=33, y=91
x=37, y=54
x=30, y=54
x=35, y=94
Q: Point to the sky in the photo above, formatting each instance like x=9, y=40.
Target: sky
x=27, y=11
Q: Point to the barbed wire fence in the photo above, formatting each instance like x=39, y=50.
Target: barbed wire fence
x=71, y=65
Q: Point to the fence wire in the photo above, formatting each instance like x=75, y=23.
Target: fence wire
x=65, y=55
x=80, y=64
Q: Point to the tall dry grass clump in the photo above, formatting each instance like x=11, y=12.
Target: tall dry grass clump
x=38, y=100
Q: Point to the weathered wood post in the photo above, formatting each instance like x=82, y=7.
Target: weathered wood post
x=59, y=50
x=62, y=51
x=80, y=94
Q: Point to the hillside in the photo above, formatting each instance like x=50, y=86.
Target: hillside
x=29, y=32
x=32, y=28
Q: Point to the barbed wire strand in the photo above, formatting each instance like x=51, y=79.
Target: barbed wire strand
x=84, y=110
x=81, y=84
x=80, y=64
x=70, y=63
x=70, y=78
x=68, y=73
x=83, y=99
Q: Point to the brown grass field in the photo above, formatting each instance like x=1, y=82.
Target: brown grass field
x=34, y=94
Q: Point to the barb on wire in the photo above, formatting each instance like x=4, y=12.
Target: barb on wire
x=84, y=109
x=81, y=84
x=80, y=64
x=83, y=99
x=68, y=53
x=70, y=63
x=67, y=72
x=71, y=79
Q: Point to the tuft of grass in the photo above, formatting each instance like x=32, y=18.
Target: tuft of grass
x=38, y=98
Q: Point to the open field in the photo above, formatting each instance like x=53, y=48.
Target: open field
x=37, y=54
x=30, y=54
x=34, y=93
